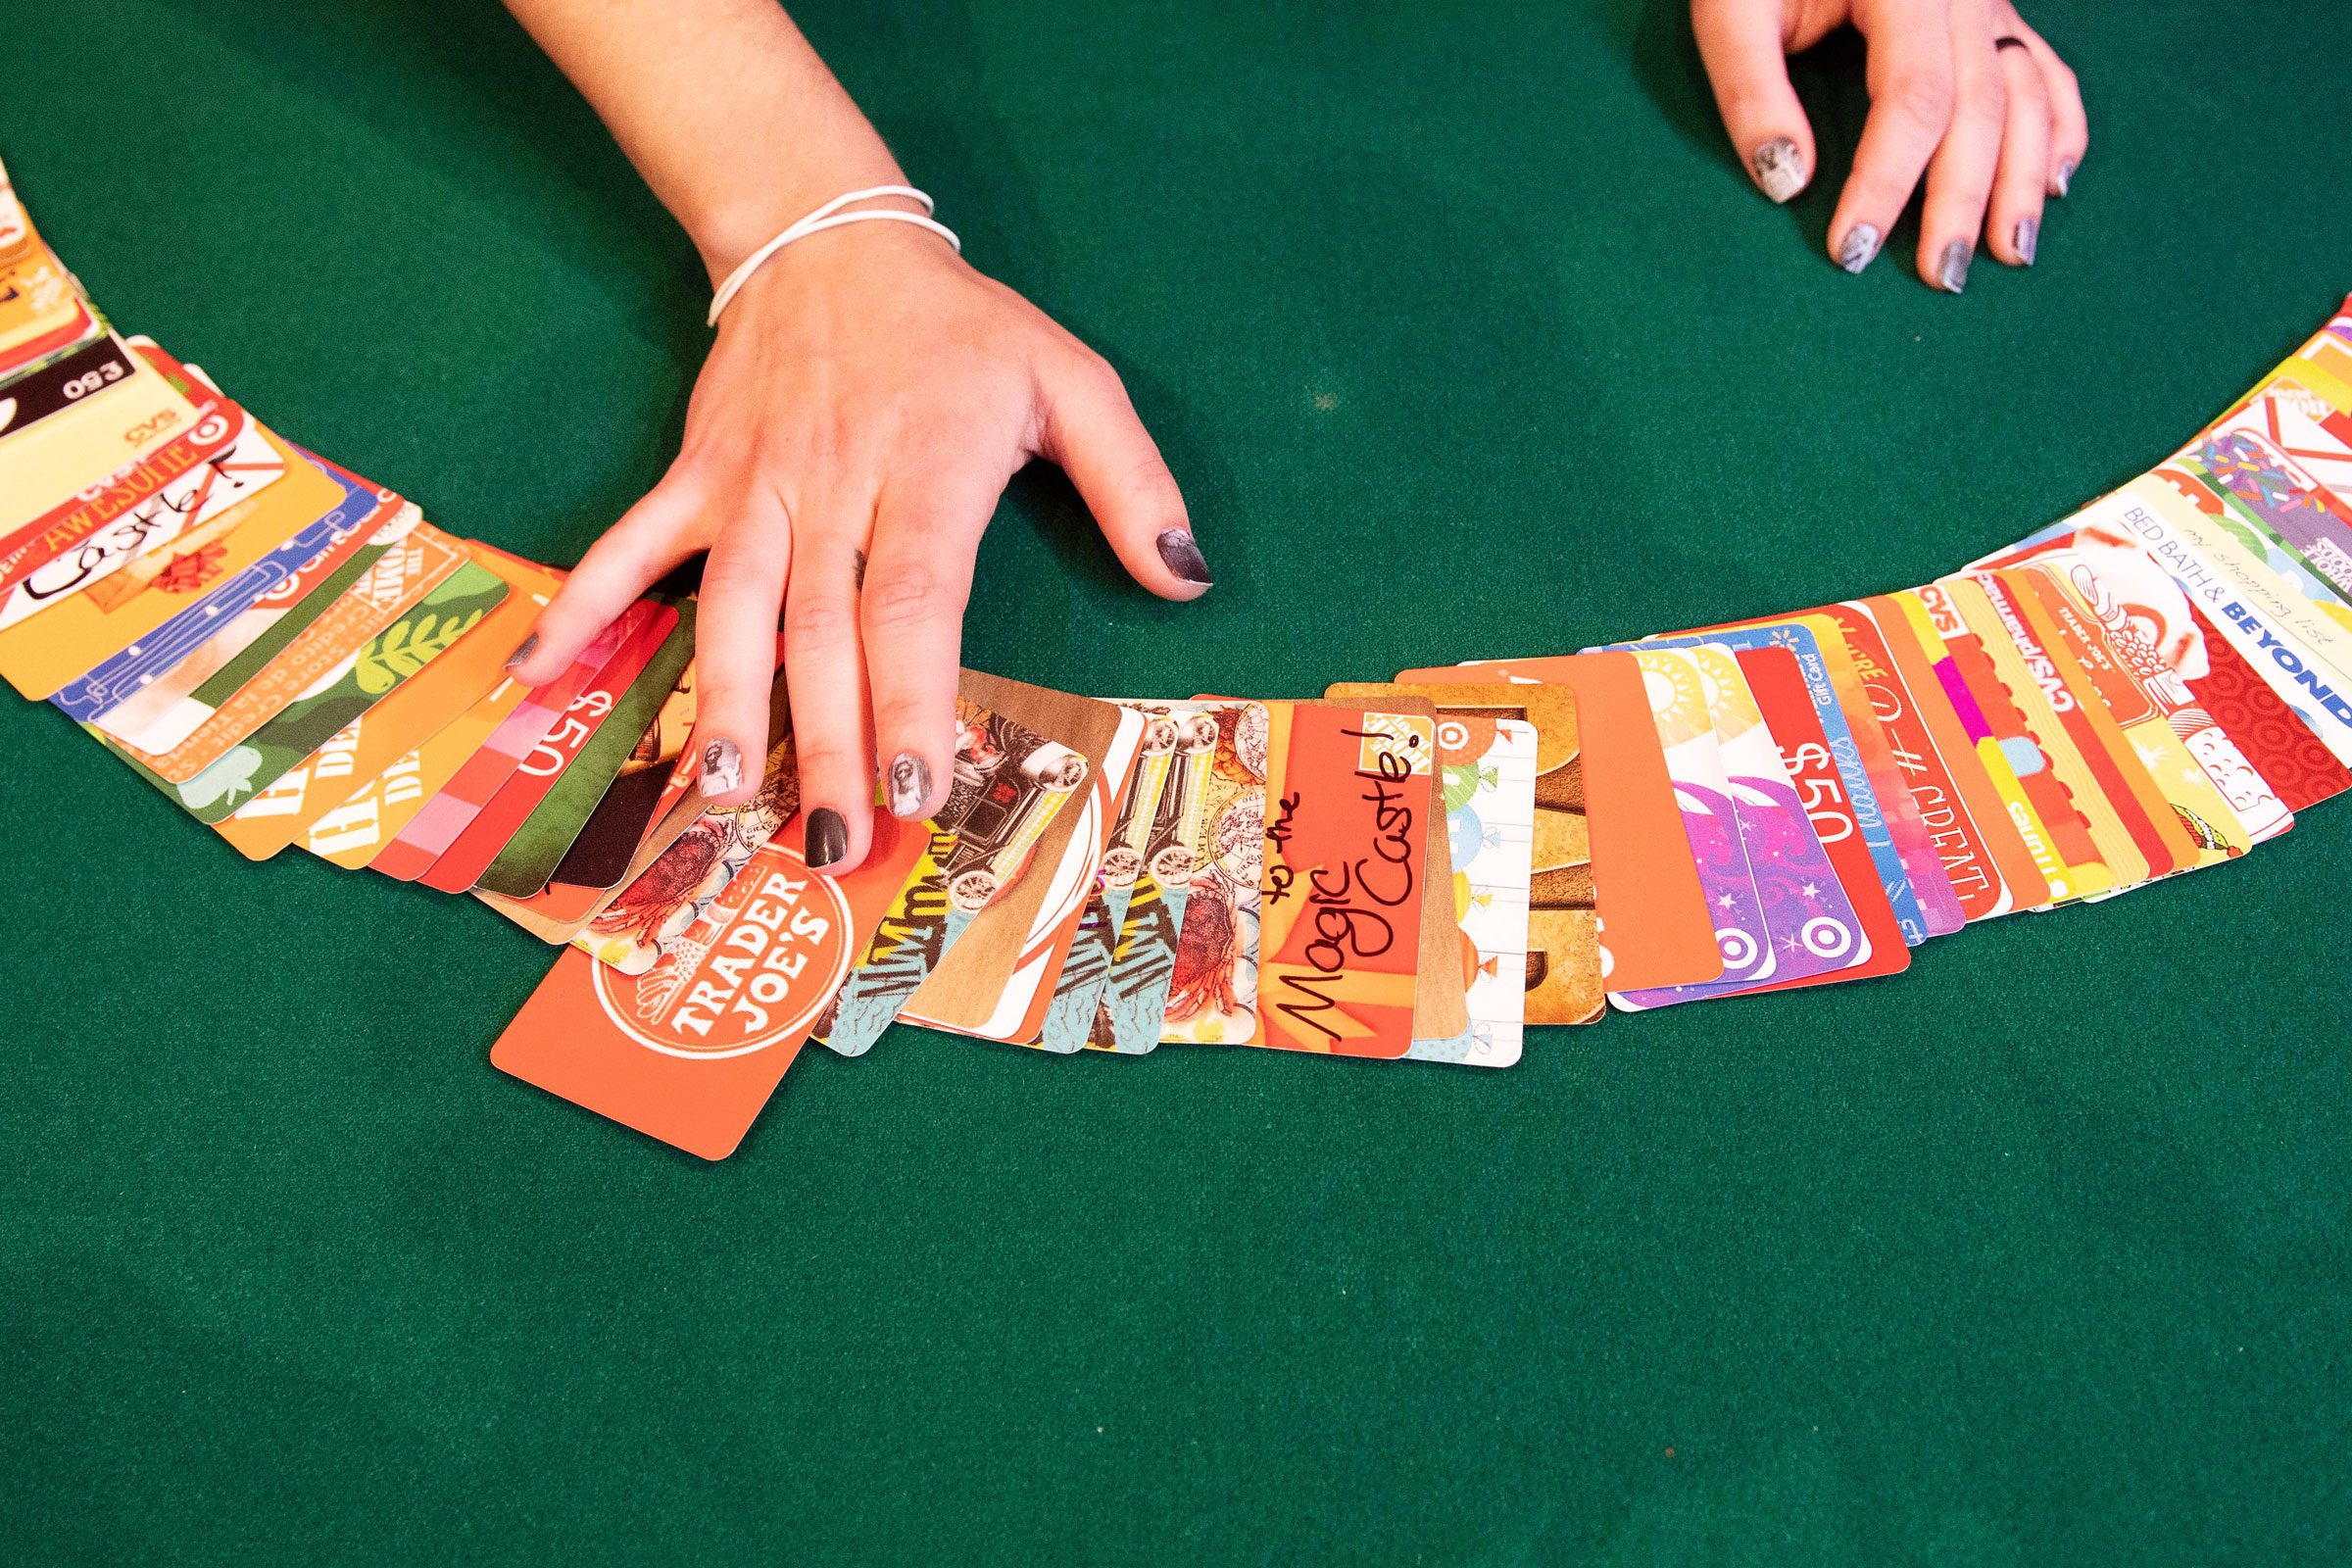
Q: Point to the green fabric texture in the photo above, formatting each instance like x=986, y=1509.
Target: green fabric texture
x=1467, y=337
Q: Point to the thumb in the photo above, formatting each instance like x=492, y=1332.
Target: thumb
x=1092, y=431
x=1747, y=59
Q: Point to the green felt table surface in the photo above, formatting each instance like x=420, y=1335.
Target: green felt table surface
x=1466, y=335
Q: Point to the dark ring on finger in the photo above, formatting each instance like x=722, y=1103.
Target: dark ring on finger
x=1999, y=44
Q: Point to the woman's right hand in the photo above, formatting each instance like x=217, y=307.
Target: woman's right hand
x=1960, y=91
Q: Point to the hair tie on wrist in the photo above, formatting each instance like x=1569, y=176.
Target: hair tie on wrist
x=831, y=216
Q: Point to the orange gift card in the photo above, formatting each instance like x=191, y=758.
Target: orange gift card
x=365, y=759
x=1344, y=883
x=689, y=1052
x=1654, y=929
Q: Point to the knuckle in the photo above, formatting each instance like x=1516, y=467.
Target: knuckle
x=906, y=713
x=818, y=621
x=823, y=756
x=1923, y=98
x=909, y=593
x=1099, y=376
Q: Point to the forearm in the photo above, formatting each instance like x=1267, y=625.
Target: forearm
x=722, y=105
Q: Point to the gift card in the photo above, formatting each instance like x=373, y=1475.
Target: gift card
x=1914, y=877
x=550, y=758
x=355, y=793
x=49, y=386
x=226, y=458
x=387, y=660
x=2121, y=845
x=1077, y=1012
x=690, y=1050
x=192, y=640
x=1143, y=964
x=1784, y=699
x=656, y=773
x=2132, y=720
x=1027, y=993
x=1342, y=884
x=1212, y=992
x=160, y=706
x=1006, y=782
x=441, y=819
x=42, y=466
x=1995, y=809
x=1984, y=861
x=1563, y=981
x=211, y=723
x=1710, y=824
x=1654, y=923
x=627, y=741
x=2122, y=776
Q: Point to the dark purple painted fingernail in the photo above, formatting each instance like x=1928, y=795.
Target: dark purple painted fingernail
x=828, y=838
x=1182, y=554
x=523, y=651
x=1952, y=271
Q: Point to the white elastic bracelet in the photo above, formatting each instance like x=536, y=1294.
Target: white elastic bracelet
x=831, y=216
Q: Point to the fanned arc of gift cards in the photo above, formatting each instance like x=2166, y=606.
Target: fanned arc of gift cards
x=1406, y=869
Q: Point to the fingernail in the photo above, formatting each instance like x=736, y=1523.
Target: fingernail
x=523, y=651
x=2066, y=174
x=828, y=838
x=1779, y=168
x=2028, y=234
x=722, y=768
x=1953, y=273
x=909, y=785
x=1182, y=553
x=1860, y=244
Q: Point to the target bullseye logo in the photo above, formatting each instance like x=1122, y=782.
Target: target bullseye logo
x=1826, y=938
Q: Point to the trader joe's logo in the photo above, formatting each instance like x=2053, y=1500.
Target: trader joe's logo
x=751, y=971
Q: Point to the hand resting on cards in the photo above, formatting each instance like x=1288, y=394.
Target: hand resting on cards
x=868, y=398
x=1961, y=90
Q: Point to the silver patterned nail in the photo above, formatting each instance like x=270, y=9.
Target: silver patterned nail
x=1952, y=272
x=909, y=785
x=2028, y=234
x=523, y=651
x=1860, y=245
x=722, y=768
x=1779, y=168
x=2066, y=174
